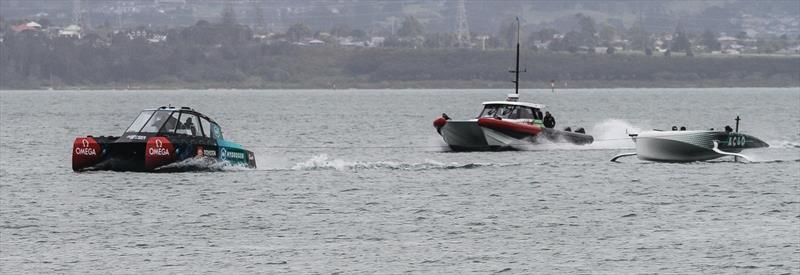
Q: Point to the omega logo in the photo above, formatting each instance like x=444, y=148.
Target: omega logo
x=159, y=149
x=85, y=150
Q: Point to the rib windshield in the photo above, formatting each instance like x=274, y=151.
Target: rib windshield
x=159, y=118
x=139, y=122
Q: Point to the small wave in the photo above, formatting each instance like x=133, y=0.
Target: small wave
x=18, y=226
x=323, y=162
x=789, y=144
x=774, y=160
x=200, y=164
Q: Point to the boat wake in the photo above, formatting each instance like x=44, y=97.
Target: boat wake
x=608, y=134
x=324, y=162
x=201, y=165
x=788, y=144
x=768, y=156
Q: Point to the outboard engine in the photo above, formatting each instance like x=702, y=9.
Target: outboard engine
x=568, y=129
x=580, y=130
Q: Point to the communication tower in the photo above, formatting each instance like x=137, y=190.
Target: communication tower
x=462, y=28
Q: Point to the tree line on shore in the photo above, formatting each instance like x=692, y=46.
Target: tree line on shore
x=226, y=54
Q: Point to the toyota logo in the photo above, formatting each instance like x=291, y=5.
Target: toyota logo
x=159, y=143
x=85, y=143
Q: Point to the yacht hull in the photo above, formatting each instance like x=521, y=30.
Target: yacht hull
x=688, y=146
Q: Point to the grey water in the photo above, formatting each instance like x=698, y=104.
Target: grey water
x=358, y=181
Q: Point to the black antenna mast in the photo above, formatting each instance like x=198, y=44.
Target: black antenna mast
x=517, y=71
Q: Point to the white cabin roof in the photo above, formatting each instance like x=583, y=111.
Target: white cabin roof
x=74, y=28
x=526, y=104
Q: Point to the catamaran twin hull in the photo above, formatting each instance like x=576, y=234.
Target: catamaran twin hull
x=490, y=134
x=159, y=138
x=155, y=153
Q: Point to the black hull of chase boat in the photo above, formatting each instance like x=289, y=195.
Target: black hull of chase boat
x=155, y=154
x=166, y=139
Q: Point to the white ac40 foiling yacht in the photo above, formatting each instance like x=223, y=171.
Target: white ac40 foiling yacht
x=694, y=145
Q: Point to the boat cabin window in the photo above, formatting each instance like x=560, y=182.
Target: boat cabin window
x=526, y=113
x=169, y=126
x=216, y=132
x=508, y=111
x=167, y=121
x=188, y=125
x=157, y=120
x=488, y=111
x=495, y=111
x=206, y=127
x=139, y=122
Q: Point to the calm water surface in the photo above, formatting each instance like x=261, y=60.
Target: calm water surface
x=359, y=182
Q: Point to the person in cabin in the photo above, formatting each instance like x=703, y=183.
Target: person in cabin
x=728, y=129
x=189, y=125
x=549, y=121
x=170, y=124
x=674, y=128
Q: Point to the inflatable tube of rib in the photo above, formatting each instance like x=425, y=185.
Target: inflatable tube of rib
x=508, y=126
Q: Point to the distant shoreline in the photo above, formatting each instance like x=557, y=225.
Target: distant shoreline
x=286, y=67
x=441, y=84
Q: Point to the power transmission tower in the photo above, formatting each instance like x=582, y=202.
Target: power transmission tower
x=259, y=13
x=77, y=13
x=462, y=28
x=642, y=38
x=119, y=14
x=228, y=14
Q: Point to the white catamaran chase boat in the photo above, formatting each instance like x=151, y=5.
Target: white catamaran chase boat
x=505, y=125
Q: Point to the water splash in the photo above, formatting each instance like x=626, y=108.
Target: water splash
x=613, y=134
x=608, y=134
x=201, y=165
x=272, y=161
x=768, y=155
x=324, y=162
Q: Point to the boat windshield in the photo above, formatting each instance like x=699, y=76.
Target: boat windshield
x=139, y=122
x=157, y=120
x=488, y=111
x=206, y=126
x=508, y=111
